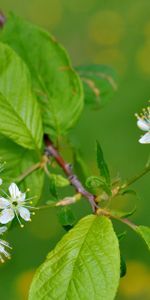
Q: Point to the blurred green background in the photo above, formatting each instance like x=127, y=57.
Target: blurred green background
x=116, y=33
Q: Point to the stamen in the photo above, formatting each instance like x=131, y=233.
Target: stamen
x=21, y=225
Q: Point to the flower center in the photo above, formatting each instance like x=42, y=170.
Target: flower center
x=15, y=203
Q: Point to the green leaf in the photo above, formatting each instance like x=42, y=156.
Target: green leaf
x=53, y=189
x=60, y=181
x=123, y=267
x=66, y=216
x=144, y=232
x=95, y=182
x=20, y=115
x=87, y=259
x=129, y=191
x=123, y=214
x=18, y=160
x=121, y=235
x=100, y=83
x=103, y=168
x=58, y=87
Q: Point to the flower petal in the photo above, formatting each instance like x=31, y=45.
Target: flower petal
x=6, y=215
x=14, y=191
x=4, y=203
x=1, y=181
x=3, y=229
x=145, y=139
x=22, y=197
x=142, y=124
x=24, y=213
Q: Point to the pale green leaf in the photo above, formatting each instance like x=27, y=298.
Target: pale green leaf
x=60, y=181
x=144, y=232
x=19, y=160
x=57, y=86
x=84, y=265
x=20, y=115
x=100, y=84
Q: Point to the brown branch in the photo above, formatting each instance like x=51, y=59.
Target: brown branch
x=50, y=150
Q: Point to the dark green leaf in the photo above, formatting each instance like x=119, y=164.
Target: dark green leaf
x=123, y=267
x=121, y=235
x=103, y=168
x=87, y=259
x=55, y=83
x=53, y=189
x=100, y=83
x=66, y=216
x=20, y=115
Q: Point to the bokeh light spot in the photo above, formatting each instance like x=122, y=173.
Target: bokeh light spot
x=143, y=59
x=106, y=28
x=137, y=281
x=113, y=56
x=23, y=283
x=79, y=5
x=45, y=13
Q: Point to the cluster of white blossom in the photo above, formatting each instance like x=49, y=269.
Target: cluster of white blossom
x=11, y=206
x=143, y=122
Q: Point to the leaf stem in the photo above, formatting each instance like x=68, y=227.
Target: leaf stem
x=107, y=213
x=28, y=172
x=136, y=177
x=116, y=191
x=50, y=150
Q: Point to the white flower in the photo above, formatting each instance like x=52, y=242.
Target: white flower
x=143, y=123
x=1, y=181
x=14, y=205
x=3, y=245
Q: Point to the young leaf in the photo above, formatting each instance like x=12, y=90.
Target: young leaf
x=100, y=83
x=144, y=232
x=104, y=171
x=56, y=84
x=19, y=160
x=123, y=214
x=95, y=182
x=87, y=259
x=20, y=115
x=60, y=181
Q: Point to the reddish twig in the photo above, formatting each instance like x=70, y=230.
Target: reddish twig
x=50, y=150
